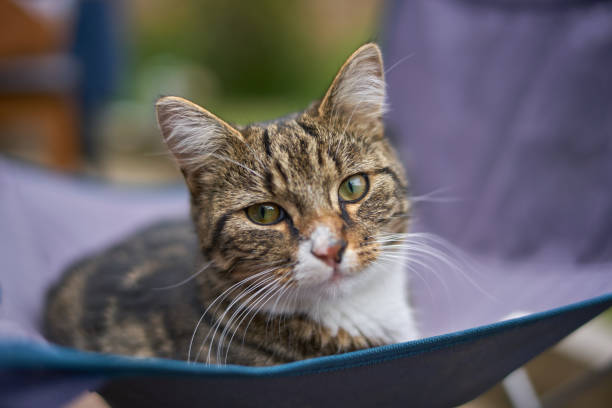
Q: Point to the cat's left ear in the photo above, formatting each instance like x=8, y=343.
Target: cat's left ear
x=191, y=132
x=358, y=90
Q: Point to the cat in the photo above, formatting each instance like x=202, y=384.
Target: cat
x=293, y=250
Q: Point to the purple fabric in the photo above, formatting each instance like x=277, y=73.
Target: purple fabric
x=48, y=221
x=501, y=111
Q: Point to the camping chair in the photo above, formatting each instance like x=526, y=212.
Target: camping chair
x=502, y=117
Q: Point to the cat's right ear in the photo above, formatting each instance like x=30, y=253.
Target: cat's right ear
x=190, y=131
x=358, y=90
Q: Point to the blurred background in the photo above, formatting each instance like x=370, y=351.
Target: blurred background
x=78, y=80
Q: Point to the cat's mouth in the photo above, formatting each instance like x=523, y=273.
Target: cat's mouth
x=337, y=272
x=336, y=276
x=341, y=273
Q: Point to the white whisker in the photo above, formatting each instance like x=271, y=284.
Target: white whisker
x=398, y=62
x=251, y=288
x=434, y=197
x=218, y=156
x=184, y=281
x=267, y=296
x=238, y=312
x=220, y=297
x=271, y=314
x=419, y=244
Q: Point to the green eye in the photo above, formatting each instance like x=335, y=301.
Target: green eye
x=353, y=188
x=266, y=214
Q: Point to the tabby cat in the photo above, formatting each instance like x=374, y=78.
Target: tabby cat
x=292, y=248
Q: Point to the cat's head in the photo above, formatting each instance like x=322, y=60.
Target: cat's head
x=304, y=199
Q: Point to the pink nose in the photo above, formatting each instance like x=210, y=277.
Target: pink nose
x=331, y=254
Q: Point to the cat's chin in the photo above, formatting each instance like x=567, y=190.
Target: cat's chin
x=345, y=281
x=372, y=302
x=322, y=283
x=333, y=282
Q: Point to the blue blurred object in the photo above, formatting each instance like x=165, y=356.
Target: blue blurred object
x=97, y=48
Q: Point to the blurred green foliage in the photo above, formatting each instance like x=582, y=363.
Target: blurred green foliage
x=265, y=58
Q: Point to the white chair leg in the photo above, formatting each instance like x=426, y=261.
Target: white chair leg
x=520, y=391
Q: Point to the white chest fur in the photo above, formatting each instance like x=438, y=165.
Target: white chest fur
x=377, y=308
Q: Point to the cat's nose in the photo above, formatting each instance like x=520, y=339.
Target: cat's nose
x=332, y=253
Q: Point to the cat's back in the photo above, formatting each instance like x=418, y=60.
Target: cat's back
x=128, y=295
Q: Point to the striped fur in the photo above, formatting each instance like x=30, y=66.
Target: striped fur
x=222, y=288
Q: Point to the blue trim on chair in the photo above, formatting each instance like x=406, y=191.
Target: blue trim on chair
x=27, y=355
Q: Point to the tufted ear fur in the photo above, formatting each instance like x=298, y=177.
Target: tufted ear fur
x=358, y=90
x=190, y=131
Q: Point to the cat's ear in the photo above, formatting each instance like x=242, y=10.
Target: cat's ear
x=358, y=90
x=190, y=131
